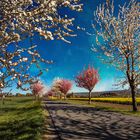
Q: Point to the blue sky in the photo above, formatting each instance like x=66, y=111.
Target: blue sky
x=70, y=59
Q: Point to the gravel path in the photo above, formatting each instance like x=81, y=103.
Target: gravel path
x=76, y=122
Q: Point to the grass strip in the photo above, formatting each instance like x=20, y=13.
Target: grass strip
x=21, y=118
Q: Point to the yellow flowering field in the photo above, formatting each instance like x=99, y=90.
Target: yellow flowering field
x=110, y=100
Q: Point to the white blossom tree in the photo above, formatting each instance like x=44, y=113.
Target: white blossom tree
x=15, y=65
x=5, y=83
x=20, y=20
x=56, y=87
x=117, y=38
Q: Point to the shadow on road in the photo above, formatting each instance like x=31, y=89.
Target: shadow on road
x=87, y=123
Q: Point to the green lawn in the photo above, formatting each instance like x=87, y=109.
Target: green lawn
x=21, y=118
x=122, y=108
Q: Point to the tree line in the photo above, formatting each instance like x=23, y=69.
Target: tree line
x=117, y=38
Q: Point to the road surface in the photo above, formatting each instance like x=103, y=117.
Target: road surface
x=77, y=122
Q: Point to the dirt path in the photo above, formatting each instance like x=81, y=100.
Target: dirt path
x=76, y=122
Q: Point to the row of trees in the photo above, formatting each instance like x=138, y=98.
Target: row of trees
x=60, y=88
x=87, y=79
x=20, y=21
x=117, y=36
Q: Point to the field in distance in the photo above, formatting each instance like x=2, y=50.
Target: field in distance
x=117, y=100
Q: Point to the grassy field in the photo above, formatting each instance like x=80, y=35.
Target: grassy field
x=116, y=100
x=21, y=118
x=122, y=108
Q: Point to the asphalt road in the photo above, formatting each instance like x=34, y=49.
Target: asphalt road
x=77, y=122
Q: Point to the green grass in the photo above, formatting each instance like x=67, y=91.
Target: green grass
x=121, y=108
x=21, y=118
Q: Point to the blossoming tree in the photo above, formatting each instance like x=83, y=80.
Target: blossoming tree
x=14, y=66
x=50, y=93
x=61, y=87
x=119, y=43
x=88, y=79
x=64, y=86
x=4, y=84
x=37, y=87
x=55, y=87
x=26, y=19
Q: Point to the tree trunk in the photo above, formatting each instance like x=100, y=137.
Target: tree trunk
x=38, y=98
x=65, y=97
x=35, y=97
x=89, y=97
x=72, y=95
x=60, y=96
x=3, y=101
x=3, y=97
x=134, y=103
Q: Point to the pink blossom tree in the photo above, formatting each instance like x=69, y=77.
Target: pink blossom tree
x=50, y=93
x=88, y=79
x=61, y=86
x=65, y=86
x=37, y=87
